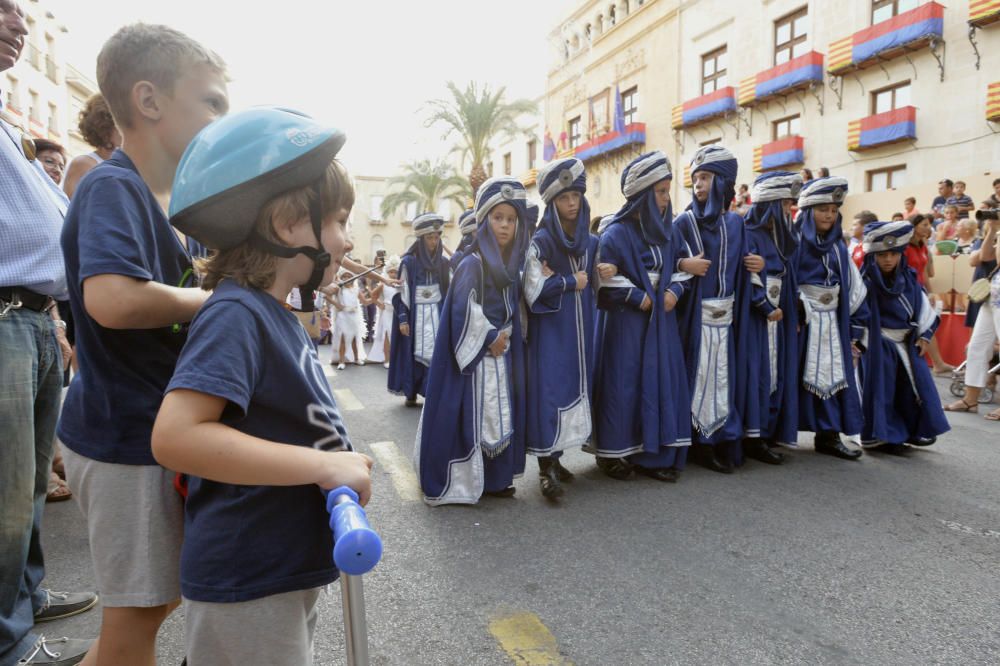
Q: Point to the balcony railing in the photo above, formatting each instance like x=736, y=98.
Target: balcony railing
x=993, y=102
x=35, y=56
x=630, y=135
x=909, y=31
x=796, y=74
x=883, y=128
x=784, y=152
x=698, y=110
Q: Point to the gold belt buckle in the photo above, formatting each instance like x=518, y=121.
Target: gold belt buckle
x=826, y=299
x=427, y=293
x=775, y=291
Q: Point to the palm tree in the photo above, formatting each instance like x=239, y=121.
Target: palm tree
x=425, y=184
x=477, y=114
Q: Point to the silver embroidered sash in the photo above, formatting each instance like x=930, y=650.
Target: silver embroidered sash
x=654, y=279
x=773, y=297
x=492, y=402
x=710, y=403
x=824, y=367
x=426, y=319
x=898, y=336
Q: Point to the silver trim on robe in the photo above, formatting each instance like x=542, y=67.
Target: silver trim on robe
x=774, y=285
x=898, y=337
x=493, y=405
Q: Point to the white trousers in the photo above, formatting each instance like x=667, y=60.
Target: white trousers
x=984, y=334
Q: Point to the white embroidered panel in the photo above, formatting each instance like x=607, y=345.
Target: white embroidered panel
x=493, y=405
x=774, y=285
x=897, y=336
x=824, y=373
x=533, y=278
x=710, y=402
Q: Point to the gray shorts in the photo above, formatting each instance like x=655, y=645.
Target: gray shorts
x=135, y=521
x=277, y=629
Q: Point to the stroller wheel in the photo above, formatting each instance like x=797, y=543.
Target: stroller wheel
x=958, y=388
x=985, y=396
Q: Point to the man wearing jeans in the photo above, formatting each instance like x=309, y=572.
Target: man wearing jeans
x=32, y=342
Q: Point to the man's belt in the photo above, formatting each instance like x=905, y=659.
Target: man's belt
x=20, y=297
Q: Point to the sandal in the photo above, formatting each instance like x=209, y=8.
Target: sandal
x=962, y=406
x=993, y=416
x=58, y=490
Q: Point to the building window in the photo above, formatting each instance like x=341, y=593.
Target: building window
x=789, y=126
x=444, y=209
x=34, y=113
x=532, y=153
x=611, y=16
x=574, y=132
x=889, y=178
x=893, y=97
x=790, y=36
x=378, y=243
x=411, y=211
x=630, y=104
x=489, y=169
x=11, y=99
x=506, y=164
x=713, y=70
x=53, y=118
x=375, y=208
x=883, y=10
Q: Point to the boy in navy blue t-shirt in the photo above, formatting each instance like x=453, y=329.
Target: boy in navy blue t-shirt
x=249, y=414
x=131, y=294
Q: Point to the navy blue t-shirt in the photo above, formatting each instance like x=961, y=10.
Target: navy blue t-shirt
x=116, y=226
x=247, y=542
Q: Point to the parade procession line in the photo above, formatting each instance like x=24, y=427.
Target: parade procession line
x=399, y=469
x=526, y=640
x=347, y=401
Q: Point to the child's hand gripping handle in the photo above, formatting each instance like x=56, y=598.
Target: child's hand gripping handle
x=356, y=546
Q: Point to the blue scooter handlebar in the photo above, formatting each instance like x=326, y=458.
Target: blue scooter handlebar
x=356, y=546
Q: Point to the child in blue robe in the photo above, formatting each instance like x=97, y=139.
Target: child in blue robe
x=641, y=399
x=901, y=405
x=833, y=320
x=467, y=226
x=561, y=312
x=424, y=274
x=714, y=276
x=470, y=440
x=770, y=415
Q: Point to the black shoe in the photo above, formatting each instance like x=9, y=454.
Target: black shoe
x=830, y=444
x=665, y=474
x=892, y=449
x=549, y=479
x=616, y=468
x=64, y=604
x=563, y=473
x=506, y=492
x=56, y=652
x=922, y=441
x=717, y=464
x=411, y=402
x=758, y=449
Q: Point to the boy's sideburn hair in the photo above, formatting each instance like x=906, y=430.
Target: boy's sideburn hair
x=143, y=52
x=251, y=267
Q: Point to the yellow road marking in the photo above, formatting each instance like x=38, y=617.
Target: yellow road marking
x=526, y=640
x=346, y=400
x=399, y=470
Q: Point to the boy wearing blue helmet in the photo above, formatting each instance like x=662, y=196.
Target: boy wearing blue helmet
x=130, y=293
x=251, y=416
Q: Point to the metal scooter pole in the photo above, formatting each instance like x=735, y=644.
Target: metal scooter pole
x=356, y=551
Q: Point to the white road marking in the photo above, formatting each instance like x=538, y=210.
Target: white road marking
x=399, y=469
x=347, y=401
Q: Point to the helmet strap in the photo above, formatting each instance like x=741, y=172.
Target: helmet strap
x=320, y=257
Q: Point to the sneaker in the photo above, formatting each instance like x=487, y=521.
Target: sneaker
x=359, y=362
x=56, y=652
x=386, y=365
x=341, y=366
x=64, y=604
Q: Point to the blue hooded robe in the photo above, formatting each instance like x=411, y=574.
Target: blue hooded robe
x=471, y=434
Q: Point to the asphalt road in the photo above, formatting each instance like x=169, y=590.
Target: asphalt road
x=821, y=561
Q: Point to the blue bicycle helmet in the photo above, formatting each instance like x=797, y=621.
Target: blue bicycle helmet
x=241, y=161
